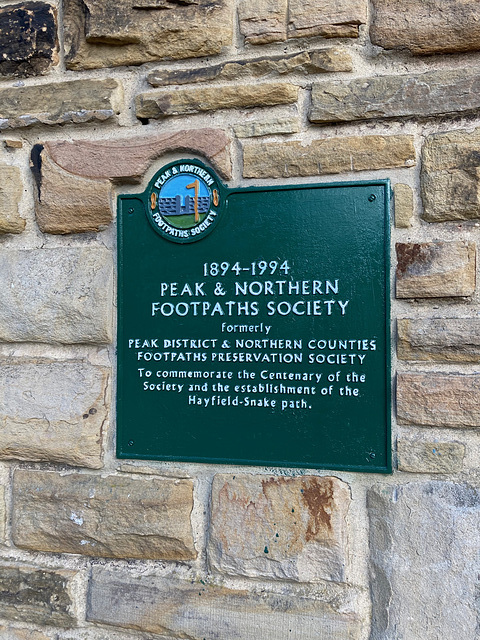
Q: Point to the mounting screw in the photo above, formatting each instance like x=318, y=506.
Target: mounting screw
x=372, y=456
x=130, y=443
x=372, y=197
x=131, y=210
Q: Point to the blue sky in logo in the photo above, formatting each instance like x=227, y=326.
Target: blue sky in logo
x=177, y=185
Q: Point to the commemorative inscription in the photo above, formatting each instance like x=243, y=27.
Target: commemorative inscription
x=253, y=323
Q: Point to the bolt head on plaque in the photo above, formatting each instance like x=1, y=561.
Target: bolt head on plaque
x=184, y=201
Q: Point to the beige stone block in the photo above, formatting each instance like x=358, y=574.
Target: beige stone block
x=438, y=400
x=11, y=187
x=327, y=60
x=435, y=269
x=109, y=34
x=37, y=596
x=113, y=516
x=339, y=19
x=396, y=96
x=418, y=456
x=423, y=558
x=15, y=633
x=127, y=159
x=200, y=611
x=403, y=195
x=287, y=528
x=62, y=295
x=53, y=412
x=437, y=26
x=439, y=339
x=450, y=180
x=263, y=21
x=77, y=101
x=326, y=156
x=65, y=203
x=160, y=104
x=267, y=128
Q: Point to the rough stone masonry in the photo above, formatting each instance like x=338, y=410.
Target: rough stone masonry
x=94, y=98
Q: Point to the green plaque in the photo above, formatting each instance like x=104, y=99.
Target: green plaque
x=253, y=323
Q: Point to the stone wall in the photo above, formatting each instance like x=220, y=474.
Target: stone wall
x=95, y=97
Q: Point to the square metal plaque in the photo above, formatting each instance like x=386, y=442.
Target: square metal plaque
x=253, y=323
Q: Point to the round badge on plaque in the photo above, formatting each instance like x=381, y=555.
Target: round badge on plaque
x=184, y=201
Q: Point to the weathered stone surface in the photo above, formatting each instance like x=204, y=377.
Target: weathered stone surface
x=450, y=178
x=425, y=94
x=127, y=159
x=66, y=203
x=276, y=20
x=437, y=26
x=15, y=633
x=77, y=101
x=60, y=295
x=36, y=596
x=403, y=205
x=159, y=104
x=323, y=18
x=438, y=400
x=53, y=412
x=424, y=548
x=28, y=39
x=418, y=456
x=267, y=128
x=203, y=612
x=263, y=21
x=291, y=528
x=3, y=513
x=435, y=269
x=113, y=516
x=439, y=339
x=13, y=144
x=108, y=34
x=330, y=155
x=313, y=61
x=11, y=187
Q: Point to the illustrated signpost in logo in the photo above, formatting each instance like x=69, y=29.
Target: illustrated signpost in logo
x=184, y=202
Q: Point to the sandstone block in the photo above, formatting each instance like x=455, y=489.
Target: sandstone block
x=267, y=128
x=11, y=187
x=291, y=528
x=424, y=548
x=60, y=295
x=438, y=26
x=431, y=93
x=312, y=61
x=28, y=39
x=439, y=339
x=77, y=101
x=438, y=400
x=263, y=21
x=326, y=156
x=340, y=19
x=127, y=159
x=15, y=633
x=66, y=203
x=435, y=269
x=159, y=104
x=36, y=596
x=403, y=195
x=114, y=516
x=53, y=412
x=106, y=34
x=450, y=178
x=418, y=456
x=203, y=612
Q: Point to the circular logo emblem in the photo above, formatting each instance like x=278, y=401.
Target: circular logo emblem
x=184, y=201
